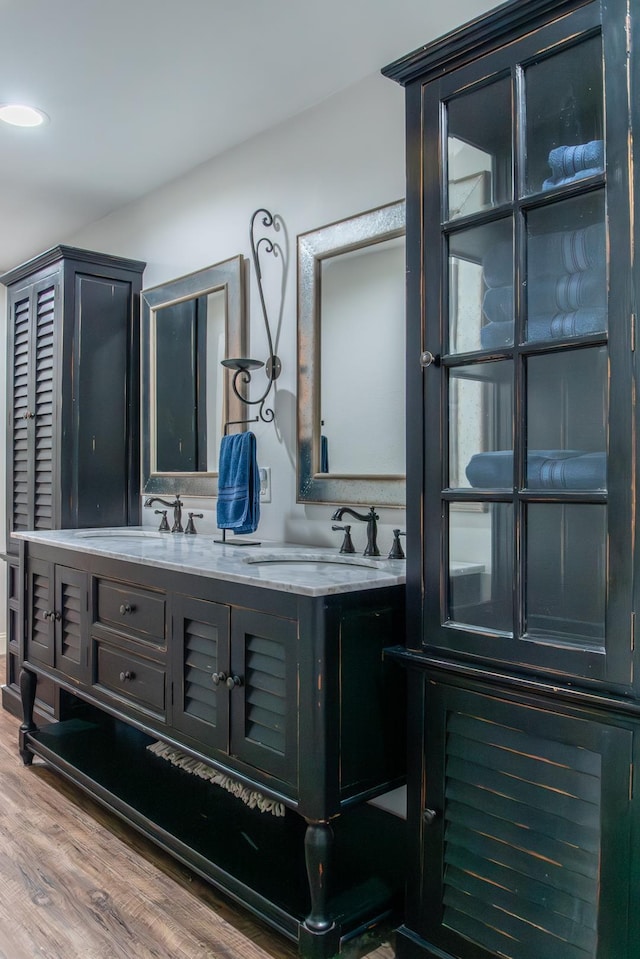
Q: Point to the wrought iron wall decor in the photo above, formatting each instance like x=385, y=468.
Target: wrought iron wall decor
x=244, y=366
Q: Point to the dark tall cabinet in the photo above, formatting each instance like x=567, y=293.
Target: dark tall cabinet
x=524, y=705
x=73, y=406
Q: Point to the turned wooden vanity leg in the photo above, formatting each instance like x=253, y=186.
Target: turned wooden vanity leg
x=28, y=683
x=319, y=936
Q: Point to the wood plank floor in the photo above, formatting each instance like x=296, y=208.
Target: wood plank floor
x=77, y=883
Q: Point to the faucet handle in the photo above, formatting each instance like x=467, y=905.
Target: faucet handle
x=396, y=550
x=190, y=527
x=164, y=526
x=347, y=542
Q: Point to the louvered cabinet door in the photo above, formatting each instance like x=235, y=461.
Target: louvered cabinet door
x=39, y=639
x=71, y=618
x=30, y=488
x=20, y=413
x=46, y=307
x=200, y=670
x=264, y=692
x=526, y=830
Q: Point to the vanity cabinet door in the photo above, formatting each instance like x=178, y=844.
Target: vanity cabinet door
x=71, y=622
x=264, y=695
x=200, y=669
x=39, y=639
x=57, y=617
x=525, y=819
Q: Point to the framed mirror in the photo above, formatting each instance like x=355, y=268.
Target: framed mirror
x=351, y=360
x=189, y=325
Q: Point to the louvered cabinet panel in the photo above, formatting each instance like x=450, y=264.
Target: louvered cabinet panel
x=264, y=699
x=200, y=669
x=43, y=422
x=528, y=843
x=39, y=641
x=71, y=592
x=19, y=394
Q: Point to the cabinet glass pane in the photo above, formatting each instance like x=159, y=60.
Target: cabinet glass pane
x=480, y=426
x=566, y=572
x=481, y=288
x=567, y=415
x=480, y=565
x=479, y=149
x=564, y=105
x=566, y=269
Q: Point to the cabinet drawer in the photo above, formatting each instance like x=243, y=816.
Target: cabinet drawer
x=132, y=610
x=141, y=682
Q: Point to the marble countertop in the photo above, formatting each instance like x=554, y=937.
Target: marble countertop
x=306, y=570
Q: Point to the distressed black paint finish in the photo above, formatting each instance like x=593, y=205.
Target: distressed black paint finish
x=73, y=445
x=517, y=684
x=291, y=696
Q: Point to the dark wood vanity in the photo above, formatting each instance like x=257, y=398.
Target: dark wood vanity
x=288, y=694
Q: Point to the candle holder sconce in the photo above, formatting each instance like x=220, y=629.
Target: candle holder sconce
x=243, y=367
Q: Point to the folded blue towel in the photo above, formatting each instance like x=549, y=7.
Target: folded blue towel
x=548, y=254
x=546, y=469
x=565, y=161
x=546, y=326
x=563, y=180
x=550, y=294
x=238, y=505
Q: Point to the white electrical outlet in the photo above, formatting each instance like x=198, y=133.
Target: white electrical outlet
x=265, y=484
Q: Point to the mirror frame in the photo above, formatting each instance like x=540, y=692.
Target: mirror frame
x=228, y=276
x=354, y=233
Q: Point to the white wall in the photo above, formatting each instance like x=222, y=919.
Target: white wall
x=343, y=157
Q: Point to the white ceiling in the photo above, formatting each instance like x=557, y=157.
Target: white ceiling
x=141, y=91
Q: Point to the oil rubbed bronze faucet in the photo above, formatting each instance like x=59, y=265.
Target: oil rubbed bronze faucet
x=176, y=506
x=372, y=526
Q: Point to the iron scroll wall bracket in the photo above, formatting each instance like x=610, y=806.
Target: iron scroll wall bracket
x=243, y=367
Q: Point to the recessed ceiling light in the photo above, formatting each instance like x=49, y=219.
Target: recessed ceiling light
x=22, y=116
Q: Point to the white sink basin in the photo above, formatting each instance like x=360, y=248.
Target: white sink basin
x=123, y=533
x=313, y=559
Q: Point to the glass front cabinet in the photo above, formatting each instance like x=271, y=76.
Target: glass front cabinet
x=524, y=709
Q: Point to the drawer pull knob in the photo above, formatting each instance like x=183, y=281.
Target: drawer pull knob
x=217, y=678
x=126, y=608
x=233, y=681
x=126, y=675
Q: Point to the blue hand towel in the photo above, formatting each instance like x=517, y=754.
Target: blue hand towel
x=546, y=326
x=238, y=506
x=546, y=469
x=566, y=161
x=563, y=180
x=550, y=294
x=548, y=254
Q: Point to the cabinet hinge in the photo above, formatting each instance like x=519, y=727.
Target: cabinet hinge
x=633, y=331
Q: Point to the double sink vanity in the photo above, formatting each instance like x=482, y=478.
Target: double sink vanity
x=191, y=676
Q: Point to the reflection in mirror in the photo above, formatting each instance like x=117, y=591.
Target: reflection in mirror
x=351, y=356
x=189, y=325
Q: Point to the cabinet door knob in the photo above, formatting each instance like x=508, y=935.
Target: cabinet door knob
x=28, y=415
x=233, y=681
x=47, y=614
x=217, y=678
x=126, y=608
x=126, y=675
x=428, y=359
x=429, y=816
x=57, y=616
